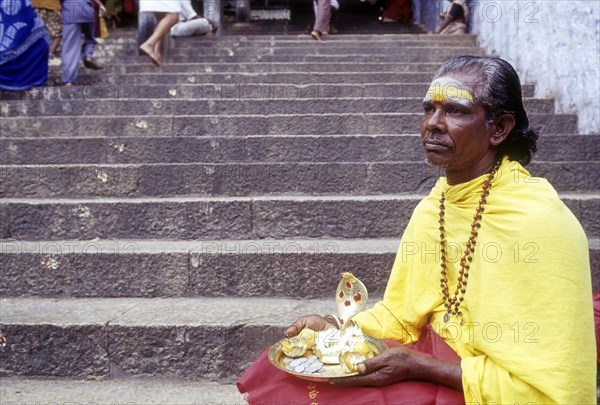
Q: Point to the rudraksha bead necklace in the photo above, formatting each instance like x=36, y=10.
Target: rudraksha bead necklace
x=452, y=305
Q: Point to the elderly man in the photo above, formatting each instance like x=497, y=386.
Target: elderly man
x=492, y=264
x=190, y=23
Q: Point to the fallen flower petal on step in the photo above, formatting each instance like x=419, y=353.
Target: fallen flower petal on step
x=102, y=176
x=50, y=262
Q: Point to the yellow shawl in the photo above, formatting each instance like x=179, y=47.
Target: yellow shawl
x=528, y=331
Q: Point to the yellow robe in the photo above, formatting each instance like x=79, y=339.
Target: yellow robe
x=527, y=332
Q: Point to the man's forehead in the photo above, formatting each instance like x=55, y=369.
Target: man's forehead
x=446, y=87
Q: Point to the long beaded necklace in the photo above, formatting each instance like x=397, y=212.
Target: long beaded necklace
x=452, y=304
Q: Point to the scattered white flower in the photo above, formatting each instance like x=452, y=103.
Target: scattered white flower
x=83, y=212
x=50, y=262
x=102, y=176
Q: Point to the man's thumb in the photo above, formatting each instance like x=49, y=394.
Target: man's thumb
x=367, y=366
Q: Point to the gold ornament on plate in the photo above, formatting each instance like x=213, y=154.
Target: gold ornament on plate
x=339, y=351
x=351, y=298
x=294, y=346
x=298, y=345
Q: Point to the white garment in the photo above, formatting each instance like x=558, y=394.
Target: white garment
x=187, y=11
x=198, y=26
x=161, y=6
x=187, y=25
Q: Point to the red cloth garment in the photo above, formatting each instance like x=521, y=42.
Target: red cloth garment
x=398, y=10
x=263, y=383
x=129, y=6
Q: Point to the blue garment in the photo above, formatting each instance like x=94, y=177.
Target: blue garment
x=78, y=11
x=24, y=44
x=74, y=49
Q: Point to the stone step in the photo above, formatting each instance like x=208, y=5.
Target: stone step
x=242, y=78
x=294, y=268
x=162, y=268
x=191, y=218
x=219, y=47
x=147, y=391
x=400, y=55
x=252, y=149
x=301, y=41
x=256, y=106
x=206, y=338
x=243, y=125
x=254, y=179
x=410, y=52
x=227, y=91
x=365, y=38
x=310, y=53
x=258, y=67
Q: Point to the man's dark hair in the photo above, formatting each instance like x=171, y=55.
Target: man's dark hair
x=499, y=91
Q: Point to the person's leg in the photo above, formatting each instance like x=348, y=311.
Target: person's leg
x=54, y=44
x=322, y=21
x=198, y=26
x=152, y=46
x=71, y=50
x=89, y=43
x=57, y=22
x=334, y=11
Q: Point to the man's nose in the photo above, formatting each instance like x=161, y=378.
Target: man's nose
x=435, y=121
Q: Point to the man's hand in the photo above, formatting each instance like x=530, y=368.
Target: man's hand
x=391, y=366
x=102, y=10
x=314, y=322
x=399, y=364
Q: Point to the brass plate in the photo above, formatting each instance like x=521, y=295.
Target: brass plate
x=276, y=357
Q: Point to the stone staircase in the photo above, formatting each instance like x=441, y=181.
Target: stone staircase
x=160, y=228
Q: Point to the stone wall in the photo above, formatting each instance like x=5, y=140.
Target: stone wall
x=554, y=44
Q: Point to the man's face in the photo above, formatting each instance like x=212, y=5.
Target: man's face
x=453, y=128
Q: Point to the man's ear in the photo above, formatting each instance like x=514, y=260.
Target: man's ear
x=502, y=125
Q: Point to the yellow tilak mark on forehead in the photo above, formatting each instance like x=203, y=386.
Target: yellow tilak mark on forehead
x=438, y=92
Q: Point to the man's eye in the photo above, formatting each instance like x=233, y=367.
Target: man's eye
x=428, y=109
x=453, y=111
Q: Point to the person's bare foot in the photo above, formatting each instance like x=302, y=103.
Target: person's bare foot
x=148, y=50
x=158, y=52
